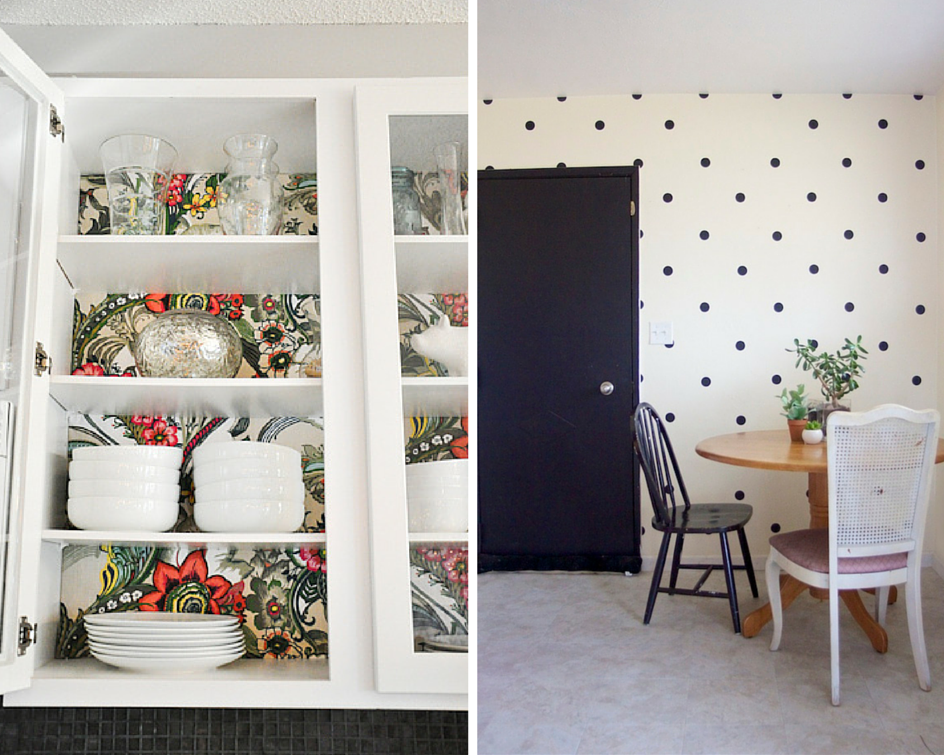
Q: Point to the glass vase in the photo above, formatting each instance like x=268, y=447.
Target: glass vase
x=250, y=196
x=407, y=218
x=450, y=189
x=137, y=173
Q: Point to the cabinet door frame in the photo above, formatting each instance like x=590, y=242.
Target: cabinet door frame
x=397, y=667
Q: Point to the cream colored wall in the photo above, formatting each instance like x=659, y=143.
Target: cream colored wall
x=739, y=135
x=934, y=537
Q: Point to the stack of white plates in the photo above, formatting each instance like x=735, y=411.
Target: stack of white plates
x=248, y=486
x=124, y=487
x=165, y=643
x=438, y=496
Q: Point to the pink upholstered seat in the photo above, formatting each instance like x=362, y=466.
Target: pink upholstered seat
x=810, y=549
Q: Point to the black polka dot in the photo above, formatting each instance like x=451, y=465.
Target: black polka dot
x=641, y=233
x=705, y=162
x=562, y=99
x=776, y=95
x=883, y=123
x=666, y=197
x=776, y=235
x=814, y=343
x=848, y=234
x=919, y=97
x=739, y=346
x=742, y=270
x=883, y=345
x=813, y=124
x=883, y=197
x=561, y=165
x=642, y=531
x=706, y=381
x=739, y=197
x=883, y=269
x=778, y=307
x=488, y=102
x=846, y=162
x=849, y=306
x=920, y=309
x=775, y=162
x=667, y=270
x=775, y=527
x=919, y=164
x=670, y=345
x=670, y=417
x=637, y=162
x=637, y=96
x=599, y=125
x=529, y=125
x=489, y=167
x=847, y=96
x=703, y=235
x=916, y=380
x=921, y=237
x=811, y=197
x=740, y=419
x=814, y=269
x=703, y=95
x=704, y=306
x=669, y=125
x=776, y=379
x=738, y=495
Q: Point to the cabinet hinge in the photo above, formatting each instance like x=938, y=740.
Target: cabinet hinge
x=26, y=635
x=632, y=208
x=40, y=360
x=56, y=127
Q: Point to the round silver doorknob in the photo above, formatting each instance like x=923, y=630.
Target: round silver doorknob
x=606, y=388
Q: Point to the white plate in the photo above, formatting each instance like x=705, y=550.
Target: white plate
x=165, y=652
x=163, y=666
x=180, y=639
x=159, y=619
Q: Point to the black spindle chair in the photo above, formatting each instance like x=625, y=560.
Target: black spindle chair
x=675, y=515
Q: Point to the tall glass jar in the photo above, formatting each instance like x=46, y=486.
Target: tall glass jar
x=250, y=197
x=407, y=219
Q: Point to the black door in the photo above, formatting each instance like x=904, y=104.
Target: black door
x=558, y=321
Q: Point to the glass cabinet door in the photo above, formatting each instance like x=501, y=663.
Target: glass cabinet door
x=412, y=144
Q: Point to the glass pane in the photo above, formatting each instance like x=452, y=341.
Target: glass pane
x=15, y=152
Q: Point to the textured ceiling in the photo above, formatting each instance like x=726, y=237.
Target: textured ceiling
x=540, y=48
x=241, y=12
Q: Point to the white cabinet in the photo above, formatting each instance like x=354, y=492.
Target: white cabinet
x=400, y=126
x=52, y=267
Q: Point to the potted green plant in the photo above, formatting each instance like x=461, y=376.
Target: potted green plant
x=796, y=407
x=836, y=372
x=813, y=432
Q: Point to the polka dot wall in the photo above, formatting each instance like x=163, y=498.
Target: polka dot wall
x=763, y=219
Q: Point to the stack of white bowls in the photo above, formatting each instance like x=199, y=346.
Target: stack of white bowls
x=438, y=496
x=248, y=486
x=133, y=488
x=164, y=643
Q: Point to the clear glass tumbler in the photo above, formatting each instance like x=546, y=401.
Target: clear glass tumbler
x=250, y=198
x=137, y=173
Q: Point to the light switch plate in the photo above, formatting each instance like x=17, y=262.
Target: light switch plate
x=660, y=333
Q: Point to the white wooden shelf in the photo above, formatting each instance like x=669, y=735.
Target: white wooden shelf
x=207, y=397
x=192, y=539
x=211, y=264
x=432, y=264
x=435, y=397
x=439, y=537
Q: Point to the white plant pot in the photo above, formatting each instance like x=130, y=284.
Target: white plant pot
x=812, y=437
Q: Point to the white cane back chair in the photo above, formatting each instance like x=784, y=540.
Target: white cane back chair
x=879, y=464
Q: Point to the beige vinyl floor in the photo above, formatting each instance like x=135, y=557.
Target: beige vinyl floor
x=565, y=665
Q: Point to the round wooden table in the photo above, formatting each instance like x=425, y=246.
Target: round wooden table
x=772, y=449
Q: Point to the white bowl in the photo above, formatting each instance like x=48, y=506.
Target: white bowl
x=245, y=449
x=274, y=489
x=438, y=468
x=248, y=516
x=120, y=470
x=446, y=479
x=239, y=469
x=162, y=491
x=162, y=456
x=434, y=489
x=430, y=514
x=118, y=513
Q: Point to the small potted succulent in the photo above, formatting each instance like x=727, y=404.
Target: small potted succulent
x=813, y=433
x=796, y=407
x=836, y=372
